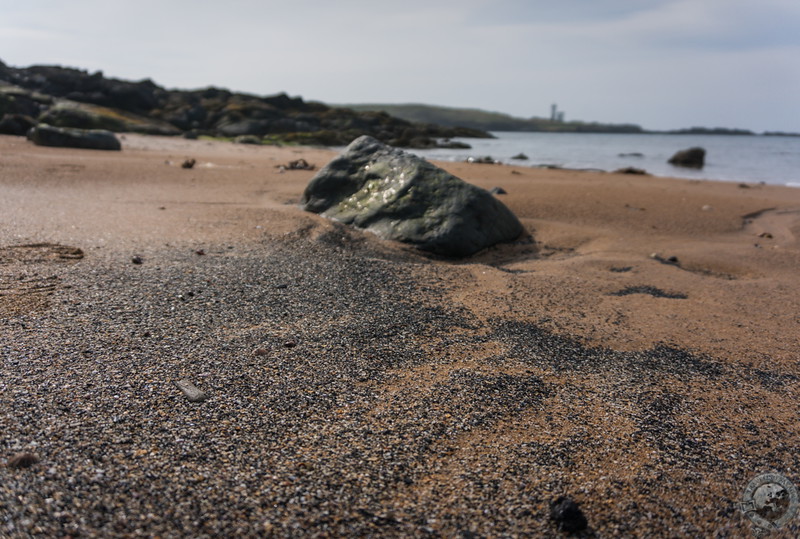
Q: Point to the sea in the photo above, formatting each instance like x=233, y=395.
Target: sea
x=734, y=158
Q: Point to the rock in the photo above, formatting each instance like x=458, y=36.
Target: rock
x=298, y=164
x=67, y=113
x=402, y=197
x=247, y=139
x=16, y=124
x=92, y=139
x=691, y=158
x=498, y=191
x=520, y=157
x=189, y=163
x=487, y=160
x=630, y=170
x=631, y=154
x=193, y=394
x=567, y=515
x=22, y=460
x=453, y=145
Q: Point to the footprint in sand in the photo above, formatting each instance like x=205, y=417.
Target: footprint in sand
x=28, y=292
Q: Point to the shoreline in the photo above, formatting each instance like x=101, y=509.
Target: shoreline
x=728, y=158
x=636, y=352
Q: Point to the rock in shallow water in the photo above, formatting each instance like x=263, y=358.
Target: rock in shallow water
x=402, y=197
x=691, y=158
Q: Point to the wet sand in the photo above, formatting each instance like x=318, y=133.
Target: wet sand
x=636, y=351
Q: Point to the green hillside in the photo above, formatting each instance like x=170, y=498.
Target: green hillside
x=489, y=121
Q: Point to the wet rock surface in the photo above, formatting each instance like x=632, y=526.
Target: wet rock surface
x=402, y=197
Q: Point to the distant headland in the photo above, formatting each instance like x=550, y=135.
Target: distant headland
x=497, y=121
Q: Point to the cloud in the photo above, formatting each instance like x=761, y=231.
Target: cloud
x=609, y=60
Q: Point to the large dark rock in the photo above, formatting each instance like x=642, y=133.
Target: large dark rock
x=92, y=139
x=16, y=124
x=691, y=158
x=87, y=116
x=402, y=197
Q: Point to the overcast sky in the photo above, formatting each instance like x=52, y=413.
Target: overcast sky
x=661, y=64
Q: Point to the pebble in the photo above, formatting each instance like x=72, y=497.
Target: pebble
x=22, y=460
x=193, y=394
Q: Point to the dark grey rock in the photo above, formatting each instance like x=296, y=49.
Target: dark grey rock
x=16, y=124
x=567, y=515
x=93, y=139
x=631, y=170
x=402, y=197
x=691, y=158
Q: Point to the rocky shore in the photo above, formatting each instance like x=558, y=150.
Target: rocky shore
x=636, y=353
x=74, y=98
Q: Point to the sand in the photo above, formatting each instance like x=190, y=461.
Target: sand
x=636, y=351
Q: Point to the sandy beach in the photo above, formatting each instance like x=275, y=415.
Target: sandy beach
x=637, y=351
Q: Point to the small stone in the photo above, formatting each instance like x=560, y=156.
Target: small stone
x=22, y=460
x=291, y=343
x=189, y=163
x=193, y=394
x=707, y=207
x=260, y=352
x=200, y=252
x=137, y=259
x=567, y=515
x=631, y=170
x=498, y=191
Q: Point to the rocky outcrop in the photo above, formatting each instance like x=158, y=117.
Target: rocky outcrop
x=75, y=98
x=65, y=113
x=91, y=139
x=691, y=158
x=401, y=197
x=16, y=124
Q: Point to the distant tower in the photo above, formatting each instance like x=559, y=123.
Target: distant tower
x=553, y=112
x=560, y=118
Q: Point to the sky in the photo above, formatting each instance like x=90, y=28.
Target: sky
x=661, y=64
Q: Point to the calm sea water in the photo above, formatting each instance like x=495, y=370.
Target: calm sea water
x=752, y=159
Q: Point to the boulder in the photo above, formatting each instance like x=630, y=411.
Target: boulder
x=93, y=139
x=87, y=116
x=16, y=124
x=691, y=158
x=402, y=197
